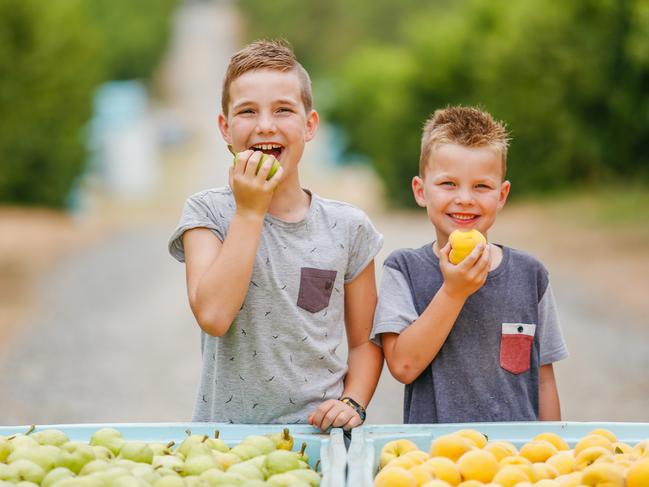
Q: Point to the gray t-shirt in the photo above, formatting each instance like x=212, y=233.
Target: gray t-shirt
x=278, y=360
x=488, y=367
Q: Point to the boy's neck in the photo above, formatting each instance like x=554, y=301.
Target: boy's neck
x=290, y=202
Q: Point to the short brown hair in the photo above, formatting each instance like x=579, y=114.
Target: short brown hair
x=466, y=126
x=266, y=54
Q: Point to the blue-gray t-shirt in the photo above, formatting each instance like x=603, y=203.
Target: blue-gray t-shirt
x=488, y=368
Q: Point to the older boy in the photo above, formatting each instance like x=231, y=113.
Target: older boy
x=273, y=270
x=473, y=341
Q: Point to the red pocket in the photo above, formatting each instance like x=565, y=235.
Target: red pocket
x=516, y=347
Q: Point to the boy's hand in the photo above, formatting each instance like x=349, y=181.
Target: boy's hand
x=334, y=413
x=252, y=192
x=465, y=278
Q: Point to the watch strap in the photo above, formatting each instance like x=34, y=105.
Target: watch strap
x=355, y=406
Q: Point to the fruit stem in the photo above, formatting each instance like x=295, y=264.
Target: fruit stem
x=31, y=429
x=217, y=433
x=188, y=432
x=287, y=435
x=302, y=450
x=316, y=466
x=170, y=444
x=205, y=437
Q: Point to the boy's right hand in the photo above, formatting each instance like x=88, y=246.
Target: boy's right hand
x=252, y=192
x=463, y=279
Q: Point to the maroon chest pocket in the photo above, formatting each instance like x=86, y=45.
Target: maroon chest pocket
x=316, y=286
x=516, y=342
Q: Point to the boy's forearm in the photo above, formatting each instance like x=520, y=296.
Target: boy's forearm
x=365, y=363
x=549, y=405
x=223, y=288
x=419, y=344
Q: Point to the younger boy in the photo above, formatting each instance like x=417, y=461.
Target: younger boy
x=473, y=341
x=273, y=270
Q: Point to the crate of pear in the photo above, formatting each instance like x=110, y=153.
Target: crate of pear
x=55, y=457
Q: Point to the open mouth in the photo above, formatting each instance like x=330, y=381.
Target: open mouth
x=274, y=150
x=463, y=217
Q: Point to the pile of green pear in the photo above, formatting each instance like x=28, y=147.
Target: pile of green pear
x=48, y=458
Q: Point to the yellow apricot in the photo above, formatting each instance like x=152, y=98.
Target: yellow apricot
x=563, y=462
x=537, y=450
x=436, y=483
x=444, y=469
x=394, y=449
x=501, y=449
x=478, y=439
x=462, y=243
x=559, y=443
x=509, y=476
x=602, y=473
x=471, y=483
x=450, y=446
x=395, y=477
x=593, y=440
x=417, y=456
x=478, y=465
x=569, y=480
x=547, y=483
x=638, y=474
x=604, y=432
x=421, y=474
x=544, y=471
x=590, y=455
x=619, y=448
x=641, y=448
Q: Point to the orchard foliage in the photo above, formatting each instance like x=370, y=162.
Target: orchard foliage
x=570, y=79
x=53, y=55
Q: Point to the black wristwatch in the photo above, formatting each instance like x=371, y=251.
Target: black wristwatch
x=355, y=406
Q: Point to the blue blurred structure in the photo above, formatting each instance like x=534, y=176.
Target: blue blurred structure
x=122, y=141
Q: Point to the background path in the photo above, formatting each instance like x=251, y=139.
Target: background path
x=112, y=338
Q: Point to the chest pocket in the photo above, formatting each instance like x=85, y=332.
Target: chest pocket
x=316, y=286
x=516, y=342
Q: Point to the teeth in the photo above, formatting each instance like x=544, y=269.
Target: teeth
x=463, y=217
x=267, y=146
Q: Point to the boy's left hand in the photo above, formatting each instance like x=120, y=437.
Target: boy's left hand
x=336, y=414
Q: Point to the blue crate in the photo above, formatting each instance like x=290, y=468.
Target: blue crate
x=367, y=441
x=328, y=448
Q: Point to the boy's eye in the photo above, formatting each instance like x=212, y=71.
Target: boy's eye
x=447, y=183
x=483, y=186
x=284, y=110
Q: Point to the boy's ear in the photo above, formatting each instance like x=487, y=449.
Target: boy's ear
x=418, y=191
x=224, y=127
x=312, y=122
x=504, y=192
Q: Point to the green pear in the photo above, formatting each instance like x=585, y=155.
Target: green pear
x=283, y=440
x=25, y=483
x=225, y=460
x=273, y=168
x=248, y=470
x=94, y=466
x=191, y=441
x=197, y=449
x=125, y=463
x=126, y=481
x=21, y=441
x=102, y=453
x=56, y=474
x=51, y=437
x=109, y=438
x=245, y=452
x=146, y=473
x=46, y=456
x=197, y=464
x=165, y=472
x=74, y=455
x=223, y=478
x=280, y=461
x=5, y=448
x=162, y=448
x=309, y=476
x=262, y=443
x=285, y=480
x=137, y=451
x=254, y=483
x=7, y=473
x=167, y=461
x=194, y=481
x=27, y=470
x=169, y=481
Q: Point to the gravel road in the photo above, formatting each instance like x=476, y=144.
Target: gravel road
x=114, y=340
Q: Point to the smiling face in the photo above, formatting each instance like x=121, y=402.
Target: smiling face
x=266, y=113
x=462, y=188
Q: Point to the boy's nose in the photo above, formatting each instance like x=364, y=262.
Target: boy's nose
x=464, y=196
x=265, y=123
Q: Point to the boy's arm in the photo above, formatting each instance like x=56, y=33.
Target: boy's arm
x=409, y=353
x=218, y=273
x=365, y=359
x=549, y=406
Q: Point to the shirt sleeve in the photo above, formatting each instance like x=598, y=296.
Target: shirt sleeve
x=552, y=347
x=395, y=310
x=366, y=242
x=197, y=213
